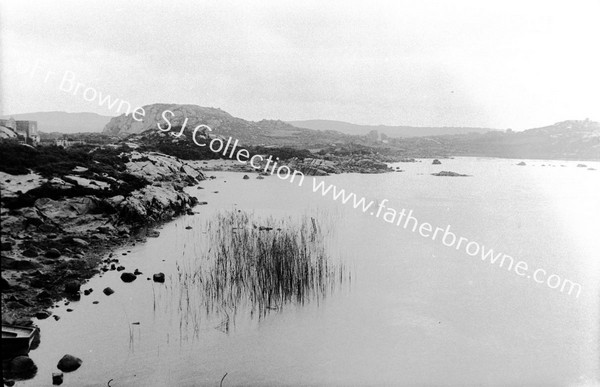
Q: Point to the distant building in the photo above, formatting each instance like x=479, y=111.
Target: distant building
x=25, y=131
x=66, y=142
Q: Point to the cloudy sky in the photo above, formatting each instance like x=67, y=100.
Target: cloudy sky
x=501, y=64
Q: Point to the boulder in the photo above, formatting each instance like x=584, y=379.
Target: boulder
x=128, y=277
x=22, y=365
x=69, y=363
x=159, y=277
x=436, y=162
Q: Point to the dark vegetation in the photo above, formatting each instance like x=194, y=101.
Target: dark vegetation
x=107, y=165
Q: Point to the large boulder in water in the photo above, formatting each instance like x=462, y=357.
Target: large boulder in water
x=69, y=363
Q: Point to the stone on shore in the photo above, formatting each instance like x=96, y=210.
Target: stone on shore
x=72, y=287
x=52, y=253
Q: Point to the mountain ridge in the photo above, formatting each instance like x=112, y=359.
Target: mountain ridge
x=388, y=130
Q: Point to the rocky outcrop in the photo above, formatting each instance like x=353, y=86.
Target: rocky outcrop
x=53, y=245
x=449, y=174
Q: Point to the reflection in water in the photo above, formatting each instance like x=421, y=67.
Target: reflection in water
x=257, y=265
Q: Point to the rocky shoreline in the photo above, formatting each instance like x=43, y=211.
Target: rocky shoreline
x=52, y=246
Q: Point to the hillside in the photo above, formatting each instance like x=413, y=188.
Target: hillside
x=64, y=122
x=563, y=140
x=265, y=132
x=390, y=131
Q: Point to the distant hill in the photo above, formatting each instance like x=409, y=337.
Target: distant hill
x=390, y=131
x=578, y=140
x=265, y=132
x=64, y=122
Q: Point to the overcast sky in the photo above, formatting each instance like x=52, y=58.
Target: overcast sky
x=500, y=64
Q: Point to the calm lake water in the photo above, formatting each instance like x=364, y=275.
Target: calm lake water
x=415, y=313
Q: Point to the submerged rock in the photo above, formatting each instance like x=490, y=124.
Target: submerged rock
x=449, y=173
x=159, y=277
x=69, y=363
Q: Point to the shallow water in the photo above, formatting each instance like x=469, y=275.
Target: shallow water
x=415, y=313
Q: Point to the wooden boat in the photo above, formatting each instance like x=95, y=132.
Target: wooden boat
x=16, y=340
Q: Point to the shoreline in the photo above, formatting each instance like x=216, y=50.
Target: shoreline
x=52, y=247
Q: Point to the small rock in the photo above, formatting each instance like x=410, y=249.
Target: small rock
x=137, y=272
x=581, y=166
x=80, y=242
x=188, y=228
x=259, y=177
x=57, y=378
x=522, y=163
x=246, y=177
x=42, y=315
x=108, y=291
x=56, y=317
x=52, y=253
x=30, y=253
x=120, y=268
x=159, y=277
x=128, y=277
x=69, y=363
x=5, y=284
x=436, y=162
x=96, y=302
x=69, y=310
